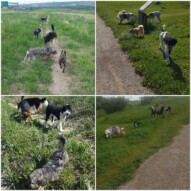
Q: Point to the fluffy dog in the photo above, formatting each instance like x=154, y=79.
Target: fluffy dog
x=62, y=60
x=36, y=101
x=139, y=31
x=46, y=52
x=154, y=14
x=115, y=130
x=124, y=15
x=25, y=109
x=50, y=172
x=50, y=36
x=167, y=40
x=60, y=112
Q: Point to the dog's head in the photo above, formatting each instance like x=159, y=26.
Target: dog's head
x=67, y=110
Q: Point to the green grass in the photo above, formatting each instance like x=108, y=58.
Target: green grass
x=144, y=52
x=28, y=146
x=117, y=158
x=75, y=30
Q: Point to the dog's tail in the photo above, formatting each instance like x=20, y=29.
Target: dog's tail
x=163, y=28
x=52, y=26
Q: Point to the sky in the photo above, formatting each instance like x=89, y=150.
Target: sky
x=39, y=1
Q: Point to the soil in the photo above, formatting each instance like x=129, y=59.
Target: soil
x=168, y=169
x=115, y=74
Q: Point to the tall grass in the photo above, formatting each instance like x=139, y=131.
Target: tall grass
x=118, y=158
x=75, y=34
x=28, y=146
x=144, y=52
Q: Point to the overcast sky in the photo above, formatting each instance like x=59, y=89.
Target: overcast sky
x=40, y=1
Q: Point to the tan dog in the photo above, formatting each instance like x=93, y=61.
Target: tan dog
x=139, y=31
x=122, y=131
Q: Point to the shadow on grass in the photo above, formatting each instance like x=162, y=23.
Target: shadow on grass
x=150, y=27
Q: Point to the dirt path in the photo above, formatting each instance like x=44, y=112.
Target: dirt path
x=115, y=74
x=168, y=169
x=61, y=81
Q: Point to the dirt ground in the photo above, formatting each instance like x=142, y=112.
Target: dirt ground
x=168, y=169
x=115, y=74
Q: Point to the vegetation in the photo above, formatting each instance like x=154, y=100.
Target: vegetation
x=28, y=146
x=144, y=52
x=75, y=30
x=118, y=158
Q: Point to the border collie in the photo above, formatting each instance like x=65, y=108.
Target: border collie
x=62, y=60
x=50, y=36
x=36, y=101
x=137, y=123
x=169, y=41
x=37, y=32
x=60, y=112
x=25, y=109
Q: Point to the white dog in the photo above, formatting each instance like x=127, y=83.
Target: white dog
x=166, y=43
x=154, y=14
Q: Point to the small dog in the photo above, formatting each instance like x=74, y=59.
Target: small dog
x=124, y=15
x=62, y=60
x=122, y=131
x=44, y=19
x=154, y=14
x=46, y=52
x=36, y=102
x=115, y=130
x=139, y=31
x=137, y=123
x=50, y=36
x=37, y=32
x=59, y=112
x=169, y=41
x=50, y=172
x=25, y=109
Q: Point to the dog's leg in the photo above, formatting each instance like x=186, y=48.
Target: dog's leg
x=60, y=126
x=167, y=52
x=52, y=121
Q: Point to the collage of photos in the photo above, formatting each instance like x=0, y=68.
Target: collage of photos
x=95, y=95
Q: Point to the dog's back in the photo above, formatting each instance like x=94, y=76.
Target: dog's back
x=25, y=109
x=49, y=37
x=62, y=60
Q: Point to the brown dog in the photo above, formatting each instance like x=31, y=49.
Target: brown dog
x=62, y=60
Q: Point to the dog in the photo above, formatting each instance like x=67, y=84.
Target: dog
x=62, y=60
x=115, y=130
x=44, y=19
x=50, y=172
x=139, y=31
x=37, y=32
x=25, y=109
x=154, y=14
x=166, y=39
x=50, y=36
x=36, y=102
x=136, y=123
x=46, y=52
x=124, y=15
x=59, y=112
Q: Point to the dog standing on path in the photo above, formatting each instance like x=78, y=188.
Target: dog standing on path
x=50, y=36
x=62, y=60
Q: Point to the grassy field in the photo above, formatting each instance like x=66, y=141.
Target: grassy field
x=144, y=52
x=118, y=158
x=75, y=30
x=28, y=146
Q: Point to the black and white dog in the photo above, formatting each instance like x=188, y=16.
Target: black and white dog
x=35, y=102
x=50, y=36
x=124, y=15
x=60, y=112
x=37, y=32
x=166, y=43
x=137, y=123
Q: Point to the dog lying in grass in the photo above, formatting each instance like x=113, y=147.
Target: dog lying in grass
x=115, y=130
x=45, y=52
x=25, y=109
x=124, y=15
x=139, y=31
x=50, y=172
x=167, y=42
x=62, y=60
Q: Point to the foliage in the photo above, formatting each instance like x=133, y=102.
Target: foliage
x=144, y=53
x=118, y=158
x=111, y=104
x=28, y=146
